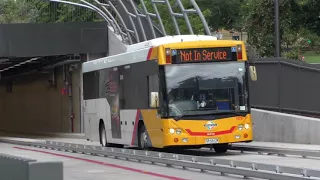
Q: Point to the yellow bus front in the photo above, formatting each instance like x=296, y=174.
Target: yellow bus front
x=204, y=93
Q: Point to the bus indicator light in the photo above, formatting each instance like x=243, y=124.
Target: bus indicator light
x=167, y=52
x=239, y=53
x=245, y=135
x=168, y=55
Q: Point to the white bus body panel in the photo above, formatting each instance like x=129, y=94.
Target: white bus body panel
x=128, y=117
x=102, y=108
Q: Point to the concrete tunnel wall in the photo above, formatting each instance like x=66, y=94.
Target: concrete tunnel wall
x=34, y=106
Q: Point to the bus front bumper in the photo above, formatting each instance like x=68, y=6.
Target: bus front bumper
x=187, y=140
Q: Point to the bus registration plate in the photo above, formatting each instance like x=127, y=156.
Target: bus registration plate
x=211, y=141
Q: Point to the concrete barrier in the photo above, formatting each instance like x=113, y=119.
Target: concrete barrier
x=272, y=126
x=18, y=168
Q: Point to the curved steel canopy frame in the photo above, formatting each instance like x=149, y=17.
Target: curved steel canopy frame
x=133, y=30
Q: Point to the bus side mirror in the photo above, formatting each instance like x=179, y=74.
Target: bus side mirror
x=253, y=73
x=154, y=99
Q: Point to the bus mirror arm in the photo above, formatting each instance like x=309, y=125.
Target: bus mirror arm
x=154, y=99
x=253, y=73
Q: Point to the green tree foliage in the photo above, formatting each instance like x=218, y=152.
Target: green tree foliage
x=307, y=15
x=298, y=24
x=13, y=12
x=223, y=13
x=195, y=21
x=258, y=22
x=41, y=11
x=70, y=13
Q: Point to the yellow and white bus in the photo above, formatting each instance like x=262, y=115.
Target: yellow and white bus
x=177, y=91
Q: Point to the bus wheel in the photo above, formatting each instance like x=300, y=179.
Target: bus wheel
x=103, y=136
x=143, y=138
x=221, y=148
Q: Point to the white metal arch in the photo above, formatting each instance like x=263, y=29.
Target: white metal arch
x=136, y=25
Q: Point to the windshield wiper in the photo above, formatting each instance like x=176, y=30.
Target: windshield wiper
x=210, y=112
x=215, y=111
x=227, y=112
x=184, y=114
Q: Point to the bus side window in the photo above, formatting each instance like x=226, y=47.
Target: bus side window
x=153, y=85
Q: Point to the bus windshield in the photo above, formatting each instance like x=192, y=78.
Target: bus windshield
x=206, y=88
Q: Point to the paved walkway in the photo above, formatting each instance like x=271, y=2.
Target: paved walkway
x=85, y=167
x=282, y=145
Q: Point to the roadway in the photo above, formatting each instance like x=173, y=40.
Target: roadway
x=292, y=161
x=87, y=167
x=83, y=166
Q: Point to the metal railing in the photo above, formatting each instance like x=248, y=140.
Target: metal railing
x=224, y=166
x=278, y=76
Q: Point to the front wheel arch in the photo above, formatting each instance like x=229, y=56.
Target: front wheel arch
x=141, y=128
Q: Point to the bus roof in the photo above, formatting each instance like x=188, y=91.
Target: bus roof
x=167, y=40
x=139, y=52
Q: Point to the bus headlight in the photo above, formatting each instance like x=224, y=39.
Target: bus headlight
x=246, y=126
x=178, y=131
x=171, y=131
x=240, y=127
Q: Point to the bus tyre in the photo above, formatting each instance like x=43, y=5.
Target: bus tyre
x=103, y=136
x=143, y=138
x=221, y=148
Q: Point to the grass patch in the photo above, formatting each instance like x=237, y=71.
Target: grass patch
x=311, y=57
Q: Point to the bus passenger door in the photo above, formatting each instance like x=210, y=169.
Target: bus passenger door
x=113, y=97
x=127, y=115
x=123, y=122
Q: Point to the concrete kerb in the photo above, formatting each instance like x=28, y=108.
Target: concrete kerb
x=14, y=167
x=42, y=134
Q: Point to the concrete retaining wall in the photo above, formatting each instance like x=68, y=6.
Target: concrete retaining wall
x=272, y=126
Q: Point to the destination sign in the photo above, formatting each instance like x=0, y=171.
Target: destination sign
x=203, y=55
